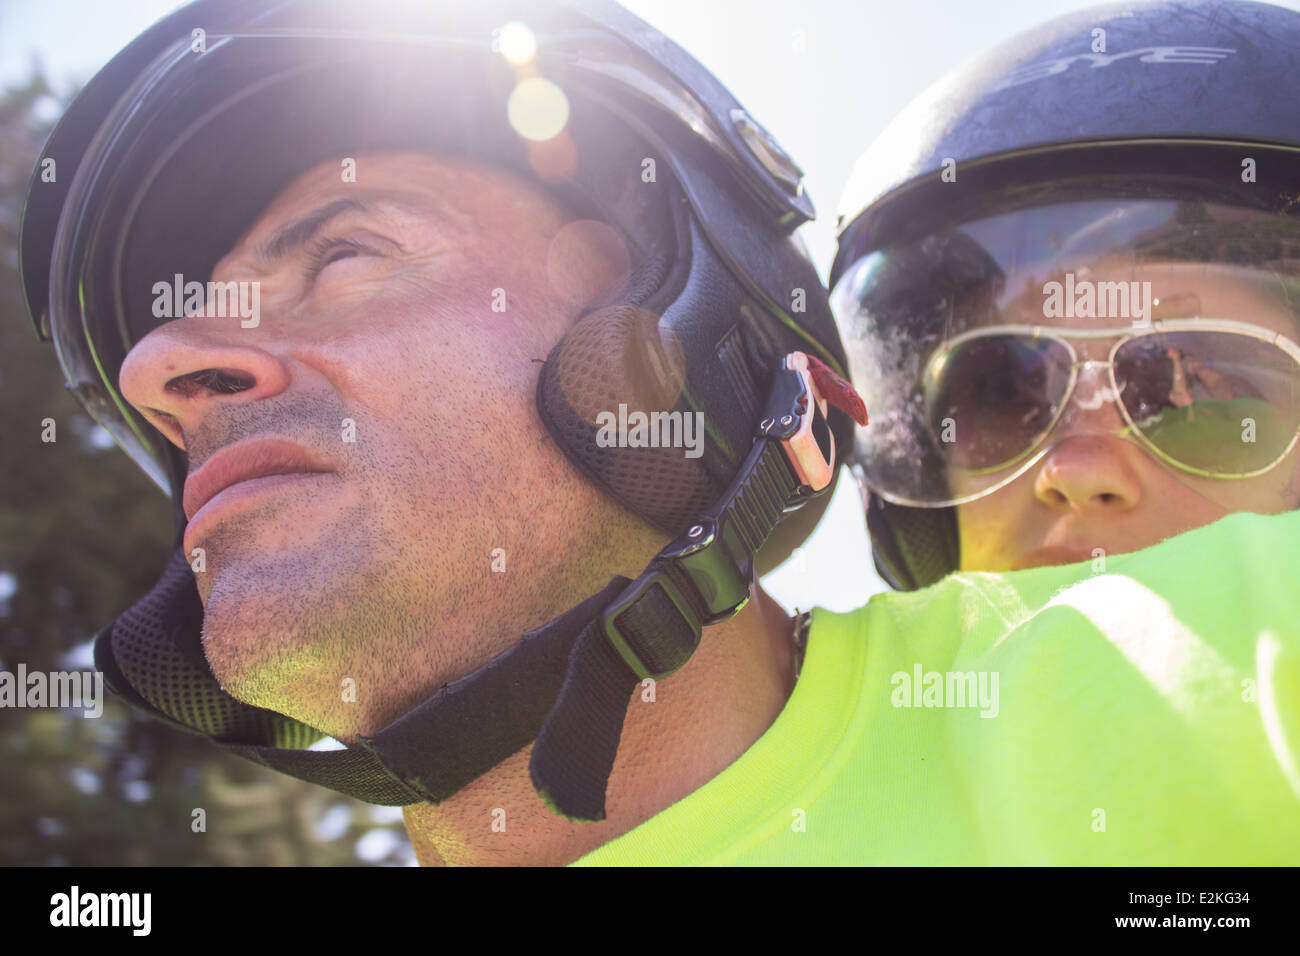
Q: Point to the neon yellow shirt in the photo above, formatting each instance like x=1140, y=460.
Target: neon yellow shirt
x=1145, y=712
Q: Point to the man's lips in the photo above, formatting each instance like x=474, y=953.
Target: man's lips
x=256, y=458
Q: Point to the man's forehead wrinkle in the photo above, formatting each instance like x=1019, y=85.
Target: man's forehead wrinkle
x=405, y=203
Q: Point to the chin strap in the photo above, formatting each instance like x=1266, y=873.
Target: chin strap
x=566, y=685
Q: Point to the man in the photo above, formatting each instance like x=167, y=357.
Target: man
x=361, y=306
x=361, y=563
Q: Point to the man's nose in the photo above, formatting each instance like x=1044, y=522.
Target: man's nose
x=1089, y=468
x=180, y=371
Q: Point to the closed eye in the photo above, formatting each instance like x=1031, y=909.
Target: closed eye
x=328, y=250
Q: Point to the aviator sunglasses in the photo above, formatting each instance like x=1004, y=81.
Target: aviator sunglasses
x=1213, y=397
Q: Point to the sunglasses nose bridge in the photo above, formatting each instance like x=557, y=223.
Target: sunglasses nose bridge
x=1093, y=405
x=1097, y=372
x=1080, y=367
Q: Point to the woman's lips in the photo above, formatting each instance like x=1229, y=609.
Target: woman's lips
x=1053, y=554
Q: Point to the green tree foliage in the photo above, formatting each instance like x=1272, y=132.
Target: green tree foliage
x=83, y=533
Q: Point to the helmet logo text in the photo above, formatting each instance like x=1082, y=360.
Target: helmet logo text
x=1148, y=54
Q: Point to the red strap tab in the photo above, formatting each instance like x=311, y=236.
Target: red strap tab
x=837, y=391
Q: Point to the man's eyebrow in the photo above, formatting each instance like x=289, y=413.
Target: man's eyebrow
x=301, y=232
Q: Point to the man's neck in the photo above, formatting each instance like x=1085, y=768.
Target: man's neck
x=676, y=737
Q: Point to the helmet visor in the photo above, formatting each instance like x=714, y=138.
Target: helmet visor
x=1170, y=324
x=204, y=138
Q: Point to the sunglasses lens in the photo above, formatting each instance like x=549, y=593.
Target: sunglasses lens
x=990, y=399
x=1220, y=403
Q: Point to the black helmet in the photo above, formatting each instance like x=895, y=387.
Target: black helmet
x=1144, y=130
x=706, y=202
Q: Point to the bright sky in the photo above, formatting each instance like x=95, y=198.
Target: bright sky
x=825, y=76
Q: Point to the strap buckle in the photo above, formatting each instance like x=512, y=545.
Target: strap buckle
x=658, y=650
x=796, y=416
x=704, y=576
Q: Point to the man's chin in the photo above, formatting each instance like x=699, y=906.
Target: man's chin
x=253, y=657
x=243, y=669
